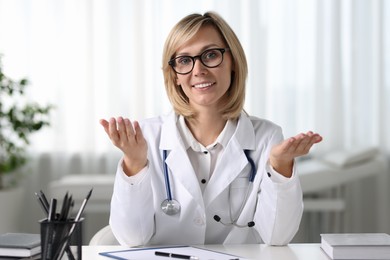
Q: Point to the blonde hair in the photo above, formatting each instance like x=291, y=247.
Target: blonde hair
x=233, y=101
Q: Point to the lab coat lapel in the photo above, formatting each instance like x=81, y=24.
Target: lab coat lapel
x=181, y=168
x=179, y=165
x=233, y=159
x=231, y=163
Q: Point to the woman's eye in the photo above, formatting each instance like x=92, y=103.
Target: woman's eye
x=210, y=55
x=184, y=61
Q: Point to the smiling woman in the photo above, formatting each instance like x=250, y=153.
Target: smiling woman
x=313, y=65
x=211, y=80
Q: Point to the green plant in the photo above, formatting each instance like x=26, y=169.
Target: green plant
x=19, y=117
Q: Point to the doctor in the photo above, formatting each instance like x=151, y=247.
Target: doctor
x=208, y=173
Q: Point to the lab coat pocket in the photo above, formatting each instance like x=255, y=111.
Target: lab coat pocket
x=238, y=192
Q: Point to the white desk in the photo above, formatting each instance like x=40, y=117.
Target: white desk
x=289, y=252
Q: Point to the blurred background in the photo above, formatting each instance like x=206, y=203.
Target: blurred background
x=321, y=65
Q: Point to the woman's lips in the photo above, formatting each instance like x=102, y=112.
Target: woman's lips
x=203, y=85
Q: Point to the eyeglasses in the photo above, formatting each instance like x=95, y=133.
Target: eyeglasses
x=210, y=58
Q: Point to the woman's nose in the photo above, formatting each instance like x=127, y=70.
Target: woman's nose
x=199, y=68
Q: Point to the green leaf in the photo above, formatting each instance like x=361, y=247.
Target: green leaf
x=17, y=121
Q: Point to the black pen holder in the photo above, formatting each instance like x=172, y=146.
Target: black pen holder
x=59, y=238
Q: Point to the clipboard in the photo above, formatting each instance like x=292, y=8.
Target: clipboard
x=148, y=253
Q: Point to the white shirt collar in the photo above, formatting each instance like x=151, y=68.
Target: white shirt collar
x=190, y=141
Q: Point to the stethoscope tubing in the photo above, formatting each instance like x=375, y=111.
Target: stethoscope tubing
x=253, y=166
x=166, y=176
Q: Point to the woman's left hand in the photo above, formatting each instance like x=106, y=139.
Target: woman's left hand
x=282, y=155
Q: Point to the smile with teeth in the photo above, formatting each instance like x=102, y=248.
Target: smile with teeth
x=203, y=85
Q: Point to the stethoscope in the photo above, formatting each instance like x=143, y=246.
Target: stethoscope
x=171, y=206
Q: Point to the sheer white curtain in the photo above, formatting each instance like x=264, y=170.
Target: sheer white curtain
x=313, y=65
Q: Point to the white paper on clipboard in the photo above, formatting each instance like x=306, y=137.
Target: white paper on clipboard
x=148, y=253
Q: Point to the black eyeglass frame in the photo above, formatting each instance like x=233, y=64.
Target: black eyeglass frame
x=193, y=58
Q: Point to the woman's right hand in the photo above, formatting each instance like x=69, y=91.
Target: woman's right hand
x=129, y=139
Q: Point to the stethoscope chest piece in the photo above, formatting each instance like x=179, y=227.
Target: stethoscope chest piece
x=170, y=207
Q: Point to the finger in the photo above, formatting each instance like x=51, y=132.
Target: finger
x=129, y=129
x=311, y=139
x=104, y=123
x=306, y=143
x=138, y=132
x=121, y=128
x=317, y=138
x=112, y=130
x=296, y=144
x=302, y=145
x=285, y=146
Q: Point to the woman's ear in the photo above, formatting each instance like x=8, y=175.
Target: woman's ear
x=177, y=82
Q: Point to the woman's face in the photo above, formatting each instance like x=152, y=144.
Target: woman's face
x=205, y=86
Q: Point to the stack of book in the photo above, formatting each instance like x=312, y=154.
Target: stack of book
x=356, y=245
x=20, y=246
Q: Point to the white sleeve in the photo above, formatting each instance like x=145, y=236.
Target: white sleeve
x=135, y=179
x=277, y=177
x=279, y=209
x=132, y=212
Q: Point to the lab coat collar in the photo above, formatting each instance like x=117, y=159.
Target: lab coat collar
x=245, y=133
x=171, y=138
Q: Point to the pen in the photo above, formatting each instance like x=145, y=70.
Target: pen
x=50, y=232
x=77, y=219
x=52, y=210
x=63, y=208
x=44, y=199
x=43, y=205
x=78, y=216
x=173, y=255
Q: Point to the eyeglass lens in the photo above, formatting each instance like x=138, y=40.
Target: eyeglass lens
x=210, y=58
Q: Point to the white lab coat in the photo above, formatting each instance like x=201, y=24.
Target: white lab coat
x=274, y=203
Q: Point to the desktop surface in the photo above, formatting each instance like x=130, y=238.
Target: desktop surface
x=252, y=251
